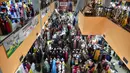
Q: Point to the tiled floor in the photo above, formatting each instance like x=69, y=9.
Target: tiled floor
x=120, y=70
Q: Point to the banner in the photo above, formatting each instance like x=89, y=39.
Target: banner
x=14, y=41
x=63, y=3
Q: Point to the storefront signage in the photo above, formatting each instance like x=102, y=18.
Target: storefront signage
x=63, y=3
x=14, y=41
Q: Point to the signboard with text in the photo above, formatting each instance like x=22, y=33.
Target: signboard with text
x=63, y=4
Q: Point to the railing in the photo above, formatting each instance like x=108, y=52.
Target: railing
x=118, y=17
x=116, y=36
x=4, y=37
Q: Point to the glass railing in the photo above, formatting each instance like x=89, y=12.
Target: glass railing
x=13, y=20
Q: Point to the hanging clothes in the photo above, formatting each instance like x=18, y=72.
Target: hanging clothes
x=9, y=23
x=48, y=35
x=54, y=66
x=8, y=27
x=38, y=57
x=108, y=57
x=17, y=10
x=30, y=71
x=21, y=12
x=47, y=66
x=125, y=22
x=28, y=66
x=38, y=67
x=76, y=61
x=70, y=6
x=25, y=68
x=32, y=11
x=75, y=43
x=66, y=56
x=96, y=55
x=3, y=27
x=25, y=11
x=30, y=58
x=21, y=69
x=74, y=21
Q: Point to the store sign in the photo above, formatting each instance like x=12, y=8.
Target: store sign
x=14, y=41
x=63, y=3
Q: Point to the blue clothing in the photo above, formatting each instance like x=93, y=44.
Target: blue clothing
x=70, y=6
x=54, y=67
x=74, y=22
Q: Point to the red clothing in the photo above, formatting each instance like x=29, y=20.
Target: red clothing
x=66, y=56
x=60, y=27
x=69, y=27
x=28, y=66
x=75, y=69
x=75, y=44
x=8, y=27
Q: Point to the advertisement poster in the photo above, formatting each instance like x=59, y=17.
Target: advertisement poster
x=14, y=41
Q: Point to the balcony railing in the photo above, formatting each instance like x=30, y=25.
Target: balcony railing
x=118, y=16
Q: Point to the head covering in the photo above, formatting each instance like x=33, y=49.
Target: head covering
x=62, y=59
